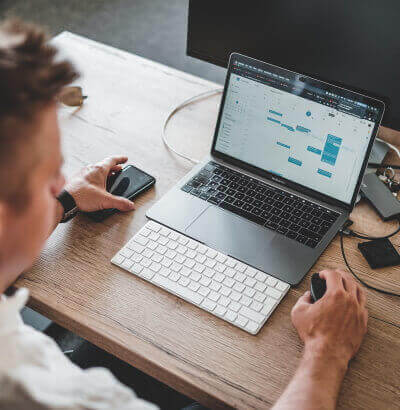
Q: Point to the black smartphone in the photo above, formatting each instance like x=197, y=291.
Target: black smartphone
x=129, y=183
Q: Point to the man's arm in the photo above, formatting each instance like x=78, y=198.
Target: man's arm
x=88, y=188
x=332, y=330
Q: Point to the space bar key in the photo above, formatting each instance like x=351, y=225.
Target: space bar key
x=174, y=287
x=241, y=212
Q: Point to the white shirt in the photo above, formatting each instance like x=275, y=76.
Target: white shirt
x=36, y=375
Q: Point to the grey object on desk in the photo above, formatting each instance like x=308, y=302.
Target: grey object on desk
x=378, y=153
x=380, y=197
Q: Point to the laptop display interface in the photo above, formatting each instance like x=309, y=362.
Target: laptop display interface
x=295, y=130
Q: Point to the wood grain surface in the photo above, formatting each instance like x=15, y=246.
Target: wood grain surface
x=74, y=283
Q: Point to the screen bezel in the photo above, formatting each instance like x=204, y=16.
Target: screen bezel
x=284, y=181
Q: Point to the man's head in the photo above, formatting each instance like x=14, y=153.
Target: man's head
x=30, y=155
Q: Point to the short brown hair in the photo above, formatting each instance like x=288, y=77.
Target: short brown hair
x=30, y=79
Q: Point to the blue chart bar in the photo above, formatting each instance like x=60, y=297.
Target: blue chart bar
x=289, y=127
x=302, y=129
x=314, y=150
x=331, y=149
x=295, y=161
x=273, y=120
x=324, y=173
x=283, y=145
x=276, y=113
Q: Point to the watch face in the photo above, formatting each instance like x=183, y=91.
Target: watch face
x=69, y=215
x=69, y=205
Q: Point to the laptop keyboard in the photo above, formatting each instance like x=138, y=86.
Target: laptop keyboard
x=271, y=207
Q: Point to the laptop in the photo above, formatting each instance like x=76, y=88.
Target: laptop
x=283, y=173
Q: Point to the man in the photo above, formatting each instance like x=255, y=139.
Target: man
x=34, y=374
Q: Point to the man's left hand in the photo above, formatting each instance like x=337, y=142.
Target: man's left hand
x=88, y=187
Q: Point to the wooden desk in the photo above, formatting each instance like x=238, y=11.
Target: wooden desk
x=75, y=285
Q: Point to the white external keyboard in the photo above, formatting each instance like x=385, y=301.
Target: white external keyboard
x=217, y=283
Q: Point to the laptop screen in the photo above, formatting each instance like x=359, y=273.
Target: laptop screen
x=296, y=127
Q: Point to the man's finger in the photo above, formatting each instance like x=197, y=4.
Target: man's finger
x=304, y=299
x=119, y=202
x=349, y=283
x=115, y=160
x=361, y=296
x=333, y=279
x=116, y=168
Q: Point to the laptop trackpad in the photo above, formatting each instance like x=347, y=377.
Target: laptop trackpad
x=230, y=234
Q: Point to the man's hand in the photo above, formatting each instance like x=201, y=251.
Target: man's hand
x=88, y=188
x=332, y=330
x=335, y=325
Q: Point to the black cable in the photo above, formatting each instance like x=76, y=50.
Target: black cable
x=350, y=232
x=356, y=276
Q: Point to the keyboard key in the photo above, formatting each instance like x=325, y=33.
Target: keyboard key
x=251, y=326
x=126, y=264
x=251, y=314
x=194, y=286
x=259, y=297
x=178, y=289
x=260, y=286
x=117, y=259
x=209, y=304
x=235, y=296
x=250, y=282
x=282, y=286
x=273, y=293
x=225, y=291
x=234, y=306
x=221, y=258
x=245, y=300
x=224, y=301
x=231, y=316
x=153, y=226
x=220, y=310
x=211, y=253
x=251, y=272
x=241, y=321
x=230, y=262
x=301, y=239
x=214, y=285
x=205, y=281
x=204, y=291
x=239, y=287
x=141, y=240
x=229, y=282
x=257, y=306
x=269, y=305
x=311, y=243
x=126, y=253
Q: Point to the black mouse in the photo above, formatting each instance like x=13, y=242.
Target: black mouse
x=318, y=287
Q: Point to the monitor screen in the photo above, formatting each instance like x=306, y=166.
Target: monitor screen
x=354, y=44
x=296, y=127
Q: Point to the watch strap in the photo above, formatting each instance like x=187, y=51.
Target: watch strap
x=68, y=203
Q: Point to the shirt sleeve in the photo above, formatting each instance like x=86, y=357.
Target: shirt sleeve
x=35, y=374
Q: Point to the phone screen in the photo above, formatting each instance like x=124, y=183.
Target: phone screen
x=130, y=181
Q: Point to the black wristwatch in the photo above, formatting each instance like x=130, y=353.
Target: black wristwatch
x=69, y=205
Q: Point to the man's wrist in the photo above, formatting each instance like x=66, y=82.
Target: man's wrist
x=323, y=355
x=69, y=205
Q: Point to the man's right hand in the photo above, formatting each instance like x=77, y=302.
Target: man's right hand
x=334, y=326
